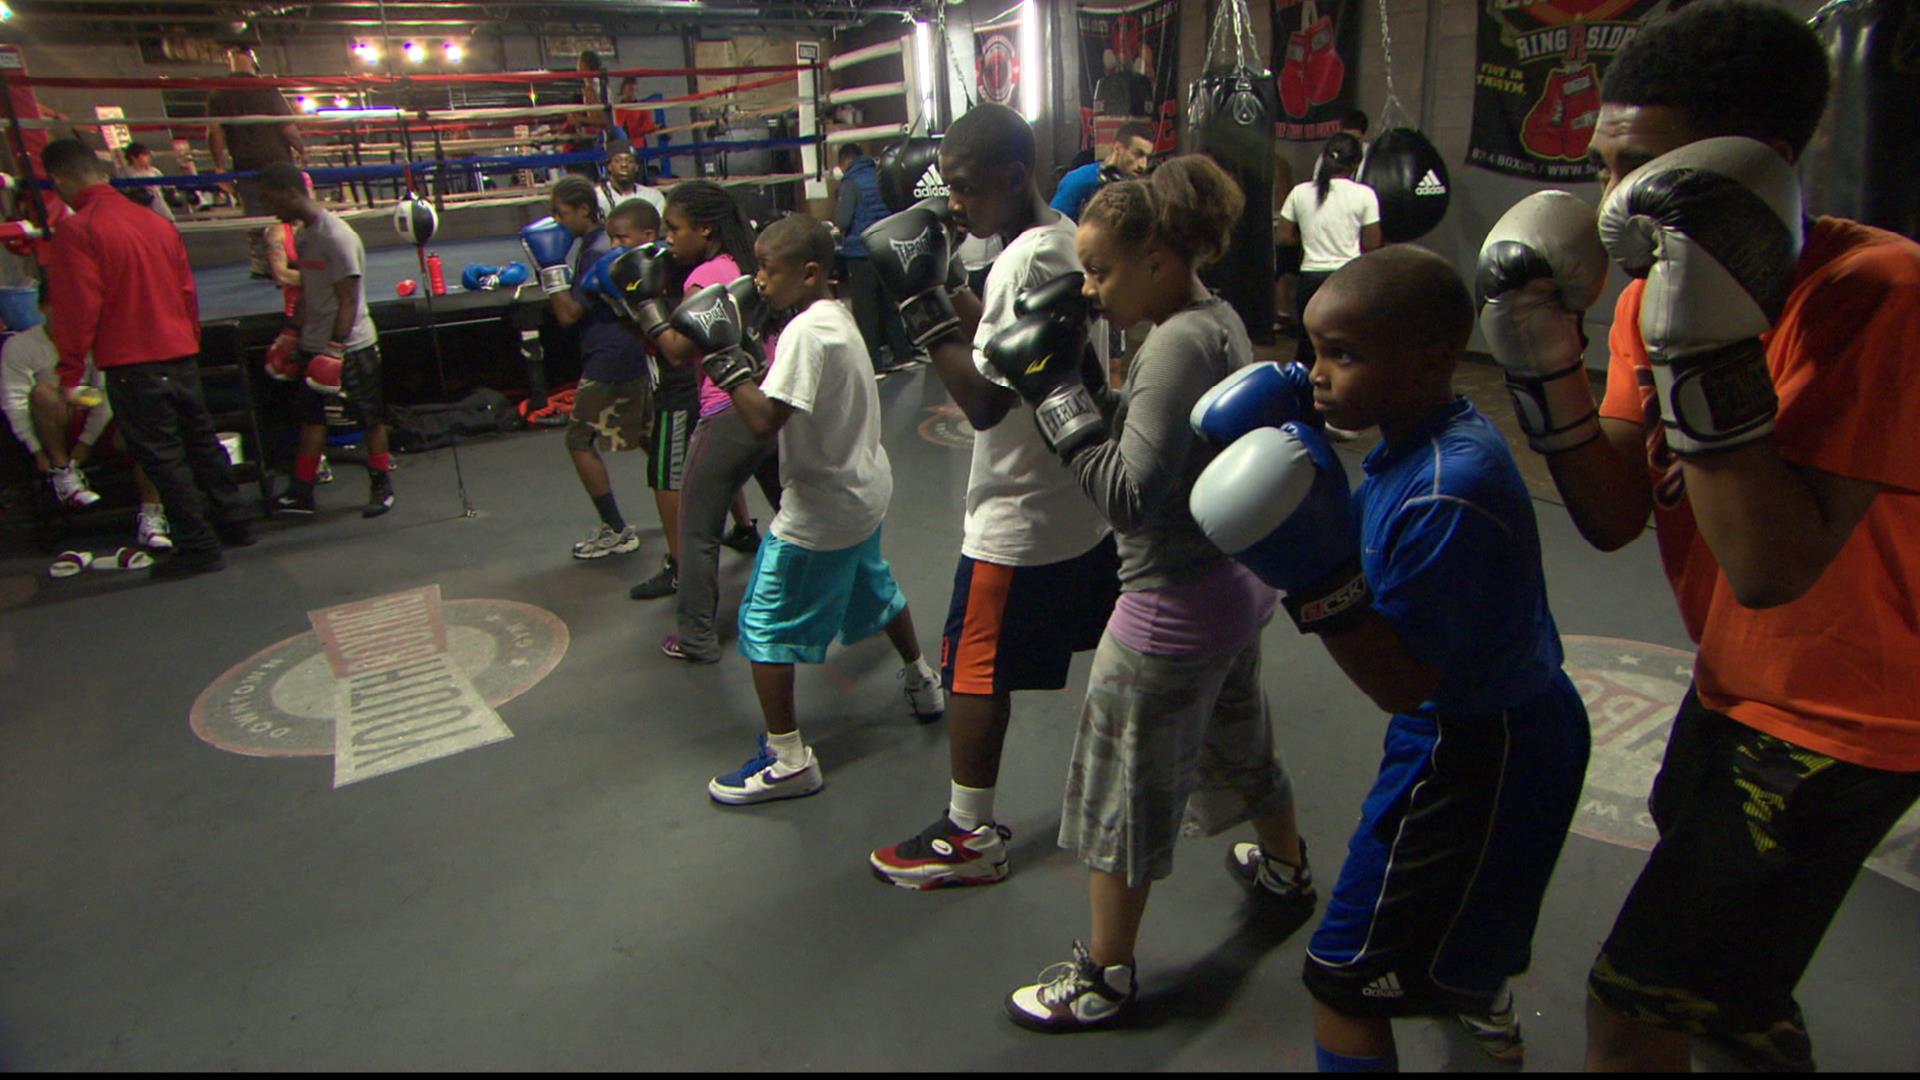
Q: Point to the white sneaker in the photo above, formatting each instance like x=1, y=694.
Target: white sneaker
x=764, y=779
x=924, y=694
x=70, y=486
x=152, y=528
x=324, y=474
x=1074, y=995
x=603, y=542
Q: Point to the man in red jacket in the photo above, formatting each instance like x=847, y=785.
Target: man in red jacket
x=122, y=291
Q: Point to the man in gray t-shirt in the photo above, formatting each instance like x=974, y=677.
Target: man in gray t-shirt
x=333, y=333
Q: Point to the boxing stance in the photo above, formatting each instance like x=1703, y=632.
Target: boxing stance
x=1038, y=571
x=1763, y=403
x=611, y=407
x=820, y=573
x=329, y=344
x=1428, y=591
x=1174, y=727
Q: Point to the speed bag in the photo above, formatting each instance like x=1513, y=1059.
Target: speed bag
x=1863, y=160
x=1230, y=117
x=1406, y=172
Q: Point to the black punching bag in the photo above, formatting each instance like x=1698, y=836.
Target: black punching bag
x=1410, y=178
x=1230, y=116
x=1864, y=163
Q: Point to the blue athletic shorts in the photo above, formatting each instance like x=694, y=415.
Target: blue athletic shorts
x=1436, y=903
x=798, y=600
x=1017, y=627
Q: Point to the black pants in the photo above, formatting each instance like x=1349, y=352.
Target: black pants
x=170, y=433
x=1304, y=287
x=875, y=313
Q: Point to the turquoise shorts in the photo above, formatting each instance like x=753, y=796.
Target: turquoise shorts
x=798, y=600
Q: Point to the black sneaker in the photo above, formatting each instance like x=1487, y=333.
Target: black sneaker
x=664, y=583
x=296, y=502
x=379, y=496
x=1283, y=889
x=744, y=538
x=186, y=564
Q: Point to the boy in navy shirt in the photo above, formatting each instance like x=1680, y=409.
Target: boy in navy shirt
x=1433, y=601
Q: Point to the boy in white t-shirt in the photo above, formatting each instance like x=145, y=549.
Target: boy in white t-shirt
x=1038, y=572
x=819, y=573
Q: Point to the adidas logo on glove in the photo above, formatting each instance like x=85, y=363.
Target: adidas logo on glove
x=931, y=184
x=1430, y=184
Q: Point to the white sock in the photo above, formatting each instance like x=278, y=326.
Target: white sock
x=788, y=748
x=923, y=671
x=970, y=807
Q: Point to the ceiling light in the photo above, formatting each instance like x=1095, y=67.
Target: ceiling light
x=341, y=103
x=1030, y=53
x=306, y=103
x=454, y=52
x=367, y=52
x=413, y=52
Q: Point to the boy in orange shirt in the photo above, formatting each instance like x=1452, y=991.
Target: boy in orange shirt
x=1763, y=403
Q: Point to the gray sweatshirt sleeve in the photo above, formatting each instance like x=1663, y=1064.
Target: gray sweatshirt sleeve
x=844, y=209
x=1131, y=476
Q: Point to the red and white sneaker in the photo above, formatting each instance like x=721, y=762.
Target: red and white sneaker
x=70, y=487
x=945, y=854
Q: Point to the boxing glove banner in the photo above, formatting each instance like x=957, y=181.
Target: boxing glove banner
x=1410, y=177
x=1715, y=228
x=1541, y=267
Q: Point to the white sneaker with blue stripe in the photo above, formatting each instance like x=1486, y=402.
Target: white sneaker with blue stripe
x=764, y=779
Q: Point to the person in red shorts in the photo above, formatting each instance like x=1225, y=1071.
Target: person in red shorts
x=1763, y=405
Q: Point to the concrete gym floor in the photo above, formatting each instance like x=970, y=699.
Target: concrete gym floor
x=569, y=898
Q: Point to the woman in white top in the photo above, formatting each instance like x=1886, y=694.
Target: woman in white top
x=1334, y=219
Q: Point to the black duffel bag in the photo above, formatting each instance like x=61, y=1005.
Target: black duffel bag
x=429, y=427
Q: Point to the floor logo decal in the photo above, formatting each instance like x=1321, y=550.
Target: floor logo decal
x=1632, y=691
x=946, y=425
x=385, y=683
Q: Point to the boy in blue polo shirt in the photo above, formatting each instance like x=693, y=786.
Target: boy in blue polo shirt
x=1433, y=601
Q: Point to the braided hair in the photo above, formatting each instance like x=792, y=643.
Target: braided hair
x=709, y=205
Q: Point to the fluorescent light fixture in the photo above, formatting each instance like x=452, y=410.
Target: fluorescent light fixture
x=454, y=52
x=306, y=103
x=6, y=10
x=364, y=114
x=1030, y=62
x=341, y=103
x=925, y=72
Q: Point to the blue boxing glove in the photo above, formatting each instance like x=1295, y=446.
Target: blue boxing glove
x=1256, y=396
x=1277, y=501
x=514, y=274
x=481, y=276
x=547, y=243
x=596, y=282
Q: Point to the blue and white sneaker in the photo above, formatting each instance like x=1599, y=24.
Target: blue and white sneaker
x=1074, y=995
x=763, y=779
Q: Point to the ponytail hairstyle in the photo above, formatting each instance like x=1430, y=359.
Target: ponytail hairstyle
x=1341, y=158
x=578, y=191
x=707, y=204
x=1188, y=205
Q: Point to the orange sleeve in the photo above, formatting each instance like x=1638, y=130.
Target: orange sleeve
x=1625, y=356
x=1847, y=368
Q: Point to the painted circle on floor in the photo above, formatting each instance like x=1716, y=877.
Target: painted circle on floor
x=281, y=701
x=946, y=425
x=1632, y=690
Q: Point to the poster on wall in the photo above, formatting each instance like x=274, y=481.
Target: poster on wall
x=1536, y=92
x=1316, y=53
x=1129, y=70
x=996, y=58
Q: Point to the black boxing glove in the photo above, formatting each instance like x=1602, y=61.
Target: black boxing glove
x=911, y=254
x=1041, y=356
x=711, y=320
x=640, y=281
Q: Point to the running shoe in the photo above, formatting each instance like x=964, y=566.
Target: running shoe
x=945, y=854
x=764, y=779
x=924, y=694
x=1497, y=1031
x=1074, y=995
x=604, y=541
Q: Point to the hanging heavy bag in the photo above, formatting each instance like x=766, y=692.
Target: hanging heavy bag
x=1230, y=117
x=1410, y=178
x=1863, y=160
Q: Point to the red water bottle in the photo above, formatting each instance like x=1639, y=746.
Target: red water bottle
x=436, y=279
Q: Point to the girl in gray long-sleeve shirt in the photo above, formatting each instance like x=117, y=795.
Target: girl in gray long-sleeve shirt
x=1174, y=728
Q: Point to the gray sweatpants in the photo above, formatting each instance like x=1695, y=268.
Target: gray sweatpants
x=723, y=456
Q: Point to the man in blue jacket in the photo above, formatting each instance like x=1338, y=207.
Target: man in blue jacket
x=860, y=205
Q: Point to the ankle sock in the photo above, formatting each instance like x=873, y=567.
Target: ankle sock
x=788, y=748
x=609, y=509
x=1330, y=1062
x=379, y=463
x=970, y=807
x=306, y=467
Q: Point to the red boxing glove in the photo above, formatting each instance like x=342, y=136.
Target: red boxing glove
x=323, y=371
x=283, y=357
